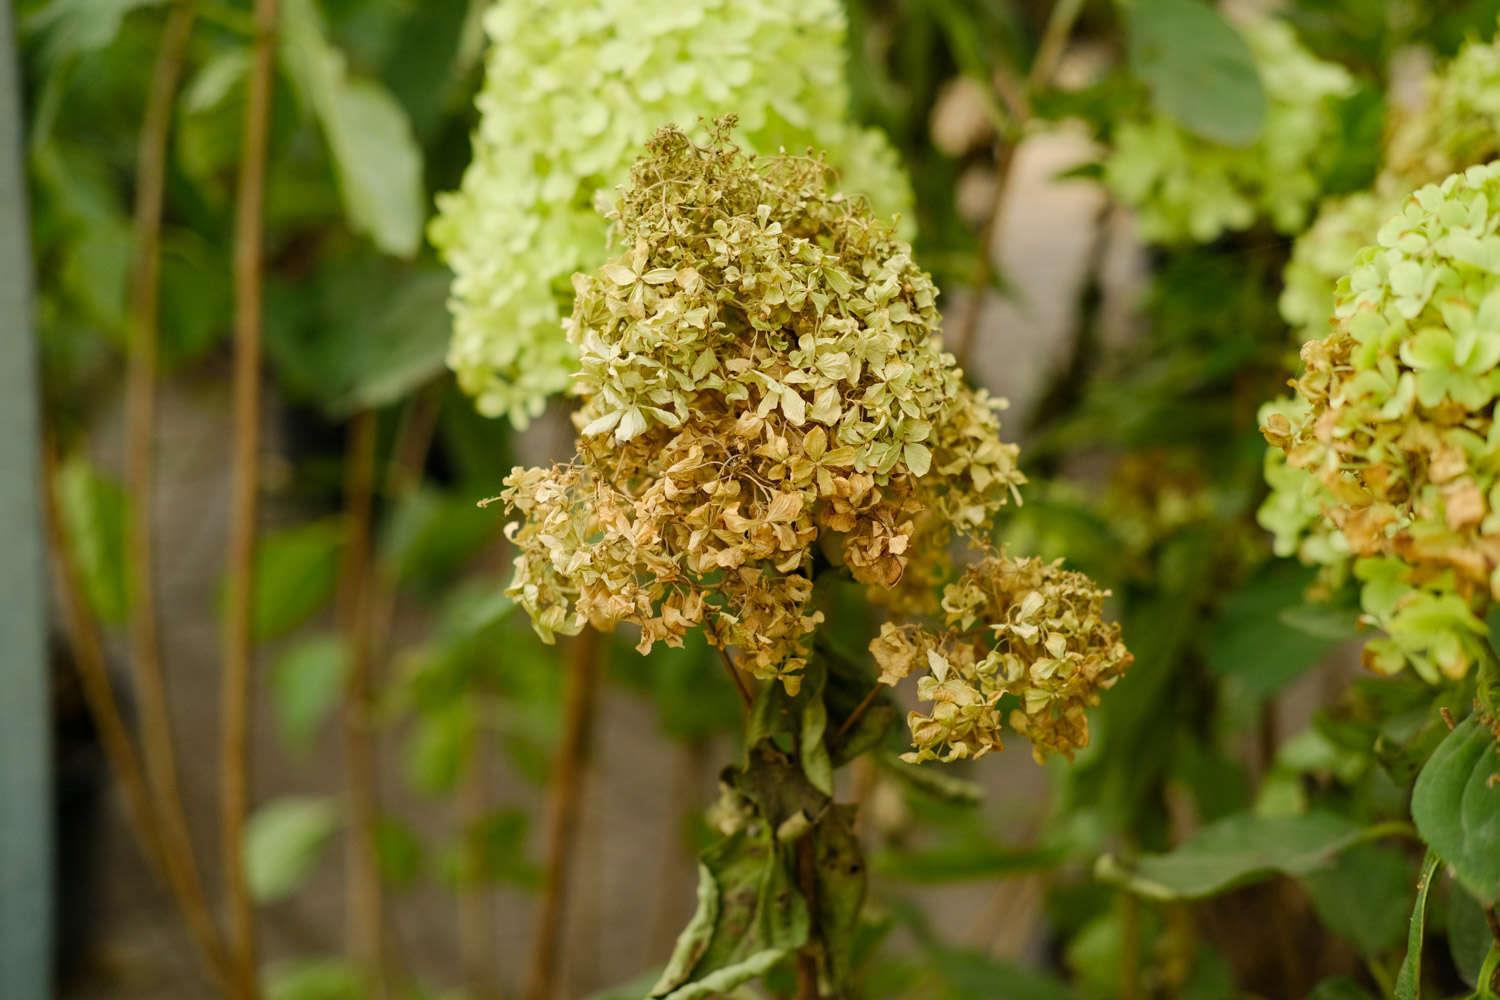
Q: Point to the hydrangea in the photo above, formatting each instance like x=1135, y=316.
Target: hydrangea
x=1456, y=125
x=572, y=88
x=1395, y=422
x=760, y=382
x=1022, y=627
x=1187, y=188
x=763, y=394
x=1324, y=253
x=1293, y=511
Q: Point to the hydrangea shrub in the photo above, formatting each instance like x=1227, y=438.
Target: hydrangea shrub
x=1394, y=432
x=763, y=395
x=1185, y=188
x=572, y=88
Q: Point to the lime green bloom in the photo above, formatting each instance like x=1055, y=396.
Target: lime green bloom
x=1456, y=125
x=1324, y=253
x=1394, y=426
x=572, y=90
x=1187, y=188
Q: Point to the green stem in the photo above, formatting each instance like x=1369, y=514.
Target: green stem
x=1487, y=680
x=1486, y=982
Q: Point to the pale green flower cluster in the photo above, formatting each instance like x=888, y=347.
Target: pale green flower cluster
x=572, y=89
x=1394, y=429
x=1456, y=125
x=1187, y=188
x=1324, y=252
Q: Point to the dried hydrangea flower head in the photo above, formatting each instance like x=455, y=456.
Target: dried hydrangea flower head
x=572, y=88
x=1022, y=627
x=1396, y=423
x=1187, y=188
x=761, y=388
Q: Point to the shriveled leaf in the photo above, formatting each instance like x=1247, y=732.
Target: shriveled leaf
x=748, y=921
x=283, y=843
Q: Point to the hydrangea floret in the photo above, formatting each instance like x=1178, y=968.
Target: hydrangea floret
x=1394, y=425
x=572, y=89
x=763, y=396
x=1187, y=188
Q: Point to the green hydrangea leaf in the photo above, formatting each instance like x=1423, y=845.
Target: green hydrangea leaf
x=1199, y=69
x=1456, y=806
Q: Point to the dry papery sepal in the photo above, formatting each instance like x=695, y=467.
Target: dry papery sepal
x=763, y=396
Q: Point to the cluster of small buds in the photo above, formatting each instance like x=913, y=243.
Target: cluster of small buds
x=762, y=390
x=1394, y=424
x=572, y=88
x=1187, y=188
x=1020, y=627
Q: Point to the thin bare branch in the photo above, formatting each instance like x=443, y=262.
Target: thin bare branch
x=746, y=698
x=177, y=857
x=238, y=639
x=566, y=794
x=119, y=749
x=364, y=908
x=1019, y=100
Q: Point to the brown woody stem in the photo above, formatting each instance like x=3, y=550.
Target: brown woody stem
x=746, y=698
x=566, y=795
x=1049, y=53
x=119, y=749
x=364, y=909
x=238, y=638
x=177, y=858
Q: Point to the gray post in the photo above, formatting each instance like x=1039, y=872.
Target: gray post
x=25, y=760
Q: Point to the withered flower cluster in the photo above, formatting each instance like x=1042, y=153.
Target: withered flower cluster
x=762, y=393
x=1022, y=627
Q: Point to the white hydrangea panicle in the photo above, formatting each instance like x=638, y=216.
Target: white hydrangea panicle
x=572, y=89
